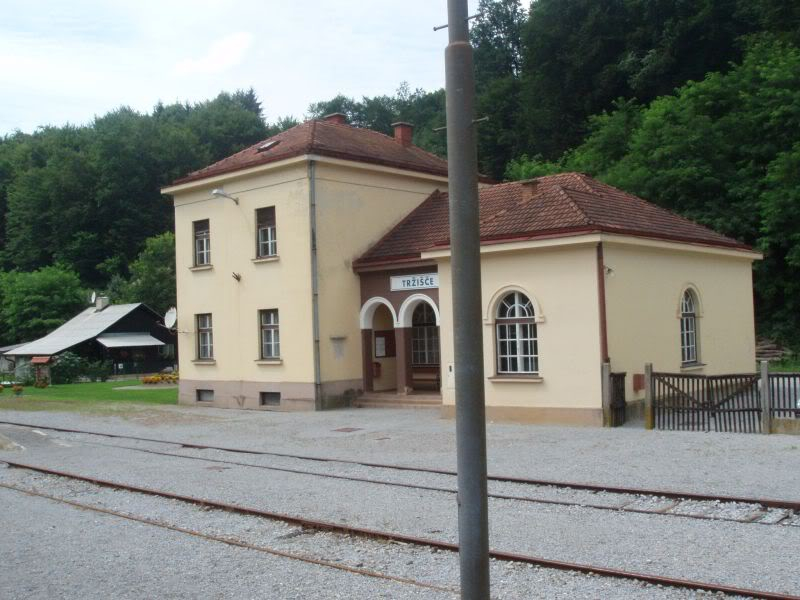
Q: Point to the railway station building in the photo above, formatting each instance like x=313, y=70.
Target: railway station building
x=313, y=271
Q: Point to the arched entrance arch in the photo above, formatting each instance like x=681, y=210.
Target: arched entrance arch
x=405, y=315
x=400, y=347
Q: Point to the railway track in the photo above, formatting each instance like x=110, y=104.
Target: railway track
x=757, y=511
x=361, y=532
x=230, y=541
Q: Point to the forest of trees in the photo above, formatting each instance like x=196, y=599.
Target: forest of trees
x=692, y=104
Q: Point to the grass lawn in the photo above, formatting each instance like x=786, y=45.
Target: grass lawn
x=786, y=365
x=92, y=397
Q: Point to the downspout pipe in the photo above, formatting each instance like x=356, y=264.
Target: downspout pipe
x=312, y=209
x=601, y=302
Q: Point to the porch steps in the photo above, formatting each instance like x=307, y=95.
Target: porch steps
x=384, y=400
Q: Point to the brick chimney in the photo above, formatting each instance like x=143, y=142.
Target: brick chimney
x=403, y=132
x=338, y=118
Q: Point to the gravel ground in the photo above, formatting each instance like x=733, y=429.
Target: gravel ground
x=49, y=550
x=716, y=463
x=755, y=556
x=89, y=539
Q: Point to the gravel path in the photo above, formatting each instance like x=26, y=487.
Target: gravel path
x=755, y=556
x=246, y=573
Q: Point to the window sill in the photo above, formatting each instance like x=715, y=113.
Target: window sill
x=265, y=259
x=204, y=361
x=201, y=268
x=269, y=361
x=516, y=379
x=692, y=367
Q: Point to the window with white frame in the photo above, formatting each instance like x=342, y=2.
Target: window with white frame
x=266, y=234
x=516, y=341
x=202, y=243
x=270, y=334
x=688, y=328
x=205, y=337
x=424, y=336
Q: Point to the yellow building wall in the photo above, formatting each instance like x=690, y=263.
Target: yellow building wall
x=355, y=208
x=283, y=283
x=563, y=283
x=643, y=292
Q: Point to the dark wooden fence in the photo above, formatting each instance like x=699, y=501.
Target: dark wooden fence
x=761, y=402
x=784, y=395
x=685, y=402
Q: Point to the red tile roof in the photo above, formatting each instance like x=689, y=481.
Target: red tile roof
x=551, y=206
x=327, y=138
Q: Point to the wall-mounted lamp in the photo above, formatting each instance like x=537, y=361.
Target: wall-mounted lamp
x=220, y=193
x=237, y=276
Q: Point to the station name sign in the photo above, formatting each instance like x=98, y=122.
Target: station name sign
x=425, y=281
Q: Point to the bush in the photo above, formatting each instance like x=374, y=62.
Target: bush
x=98, y=370
x=67, y=368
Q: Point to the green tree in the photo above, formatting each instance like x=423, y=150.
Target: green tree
x=724, y=152
x=36, y=303
x=152, y=279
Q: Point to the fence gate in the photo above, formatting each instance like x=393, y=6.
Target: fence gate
x=729, y=403
x=617, y=399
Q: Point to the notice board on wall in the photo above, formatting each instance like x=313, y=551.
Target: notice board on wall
x=384, y=344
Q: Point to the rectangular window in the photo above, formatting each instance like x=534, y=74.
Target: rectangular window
x=202, y=243
x=205, y=395
x=266, y=237
x=270, y=335
x=688, y=339
x=269, y=399
x=425, y=345
x=205, y=337
x=517, y=347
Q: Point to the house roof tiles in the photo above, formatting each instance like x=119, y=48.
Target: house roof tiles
x=550, y=206
x=331, y=139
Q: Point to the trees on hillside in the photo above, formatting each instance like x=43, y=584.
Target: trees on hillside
x=152, y=279
x=33, y=304
x=88, y=197
x=723, y=151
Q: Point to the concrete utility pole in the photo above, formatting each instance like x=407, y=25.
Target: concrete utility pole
x=462, y=159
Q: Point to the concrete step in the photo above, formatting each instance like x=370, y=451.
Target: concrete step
x=389, y=404
x=395, y=401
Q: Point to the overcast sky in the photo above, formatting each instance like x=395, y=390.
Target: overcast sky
x=69, y=61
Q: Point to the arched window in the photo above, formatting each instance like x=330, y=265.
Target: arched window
x=517, y=346
x=424, y=336
x=688, y=328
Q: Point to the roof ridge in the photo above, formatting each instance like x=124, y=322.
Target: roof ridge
x=563, y=190
x=412, y=147
x=504, y=211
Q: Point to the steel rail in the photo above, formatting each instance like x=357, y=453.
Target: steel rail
x=411, y=540
x=233, y=542
x=768, y=502
x=749, y=520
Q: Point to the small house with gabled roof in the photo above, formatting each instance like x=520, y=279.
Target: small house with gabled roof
x=314, y=271
x=132, y=336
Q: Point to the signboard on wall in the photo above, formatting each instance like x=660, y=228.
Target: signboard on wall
x=423, y=281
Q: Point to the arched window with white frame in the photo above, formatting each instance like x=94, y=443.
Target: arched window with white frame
x=516, y=341
x=689, y=353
